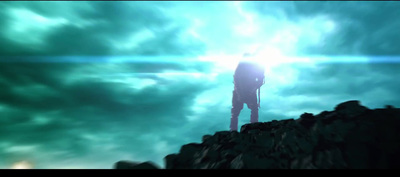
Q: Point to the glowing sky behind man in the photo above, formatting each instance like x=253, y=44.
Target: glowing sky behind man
x=86, y=84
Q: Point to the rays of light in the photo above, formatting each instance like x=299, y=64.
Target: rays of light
x=269, y=55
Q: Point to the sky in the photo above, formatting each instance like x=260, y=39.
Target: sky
x=86, y=84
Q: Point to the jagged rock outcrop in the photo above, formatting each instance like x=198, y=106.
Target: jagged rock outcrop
x=349, y=137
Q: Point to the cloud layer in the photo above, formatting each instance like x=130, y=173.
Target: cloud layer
x=86, y=84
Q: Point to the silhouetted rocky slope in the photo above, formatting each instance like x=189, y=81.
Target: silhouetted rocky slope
x=352, y=136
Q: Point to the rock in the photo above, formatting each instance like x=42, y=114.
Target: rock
x=304, y=162
x=258, y=126
x=209, y=155
x=229, y=154
x=330, y=117
x=188, y=150
x=350, y=137
x=357, y=156
x=237, y=163
x=389, y=107
x=350, y=108
x=246, y=161
x=170, y=161
x=307, y=120
x=330, y=159
x=135, y=165
x=206, y=138
x=188, y=154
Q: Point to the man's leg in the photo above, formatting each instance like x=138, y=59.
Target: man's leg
x=237, y=106
x=253, y=106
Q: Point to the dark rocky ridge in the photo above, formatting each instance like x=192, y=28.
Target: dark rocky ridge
x=135, y=165
x=350, y=137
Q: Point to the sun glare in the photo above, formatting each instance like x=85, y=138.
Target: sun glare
x=22, y=165
x=269, y=57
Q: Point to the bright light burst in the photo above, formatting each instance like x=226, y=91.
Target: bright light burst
x=267, y=56
x=22, y=165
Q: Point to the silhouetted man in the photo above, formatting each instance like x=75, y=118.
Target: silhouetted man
x=248, y=78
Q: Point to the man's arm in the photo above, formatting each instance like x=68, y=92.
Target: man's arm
x=260, y=77
x=260, y=81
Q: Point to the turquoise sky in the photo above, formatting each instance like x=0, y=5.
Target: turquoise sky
x=86, y=84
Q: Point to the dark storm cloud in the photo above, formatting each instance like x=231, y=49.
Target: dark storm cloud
x=91, y=106
x=105, y=24
x=371, y=84
x=35, y=87
x=118, y=20
x=366, y=29
x=99, y=103
x=18, y=81
x=151, y=103
x=326, y=76
x=51, y=106
x=363, y=28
